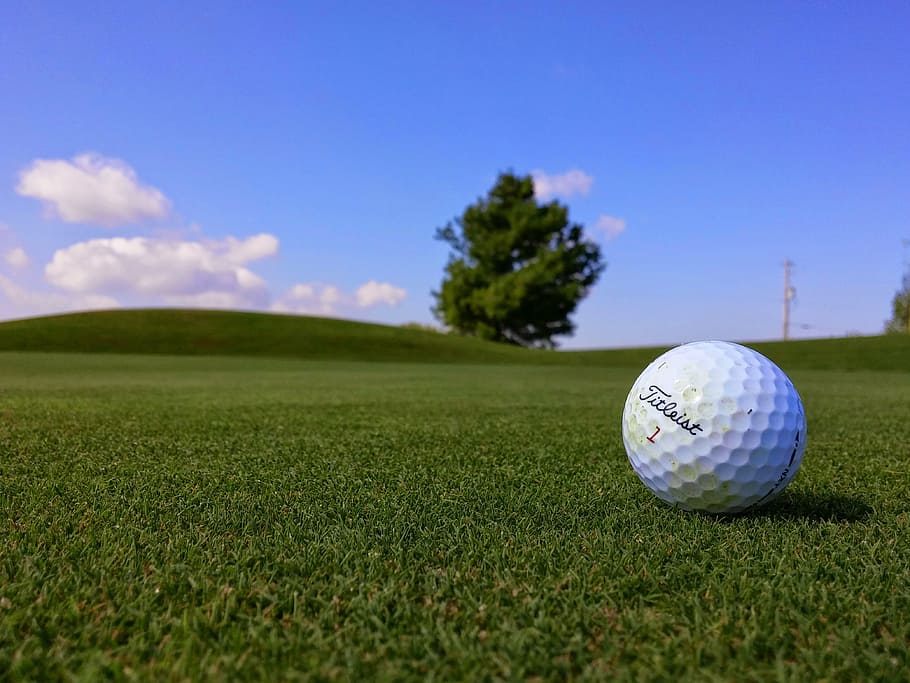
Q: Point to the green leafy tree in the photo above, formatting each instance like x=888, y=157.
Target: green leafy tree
x=900, y=307
x=517, y=269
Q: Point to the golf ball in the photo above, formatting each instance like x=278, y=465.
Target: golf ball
x=715, y=427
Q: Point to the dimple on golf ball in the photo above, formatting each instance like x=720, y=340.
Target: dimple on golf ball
x=714, y=427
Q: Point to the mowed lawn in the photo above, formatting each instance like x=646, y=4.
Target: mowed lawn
x=229, y=518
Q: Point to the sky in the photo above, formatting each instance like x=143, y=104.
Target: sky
x=298, y=157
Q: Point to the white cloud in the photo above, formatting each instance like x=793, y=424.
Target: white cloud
x=611, y=226
x=566, y=184
x=26, y=302
x=251, y=249
x=229, y=300
x=324, y=296
x=374, y=293
x=184, y=273
x=92, y=189
x=16, y=258
x=313, y=299
x=302, y=292
x=321, y=299
x=330, y=295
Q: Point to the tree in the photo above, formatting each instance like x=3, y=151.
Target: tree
x=517, y=269
x=900, y=306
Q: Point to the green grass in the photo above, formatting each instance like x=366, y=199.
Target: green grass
x=223, y=518
x=191, y=332
x=206, y=333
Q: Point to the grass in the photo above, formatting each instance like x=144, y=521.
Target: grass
x=224, y=333
x=205, y=333
x=219, y=518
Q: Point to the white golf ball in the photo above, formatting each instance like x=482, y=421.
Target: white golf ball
x=715, y=427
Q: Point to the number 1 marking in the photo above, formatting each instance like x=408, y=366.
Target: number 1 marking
x=656, y=432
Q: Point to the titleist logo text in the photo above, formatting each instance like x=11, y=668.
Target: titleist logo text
x=659, y=400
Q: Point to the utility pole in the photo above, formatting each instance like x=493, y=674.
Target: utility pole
x=789, y=293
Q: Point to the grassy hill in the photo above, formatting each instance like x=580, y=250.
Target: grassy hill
x=194, y=332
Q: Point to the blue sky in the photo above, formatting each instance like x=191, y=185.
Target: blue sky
x=299, y=156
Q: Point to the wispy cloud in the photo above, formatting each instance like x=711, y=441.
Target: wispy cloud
x=92, y=189
x=610, y=226
x=323, y=299
x=26, y=302
x=379, y=293
x=311, y=298
x=16, y=258
x=568, y=184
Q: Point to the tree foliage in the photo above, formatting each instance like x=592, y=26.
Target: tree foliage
x=900, y=308
x=517, y=270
